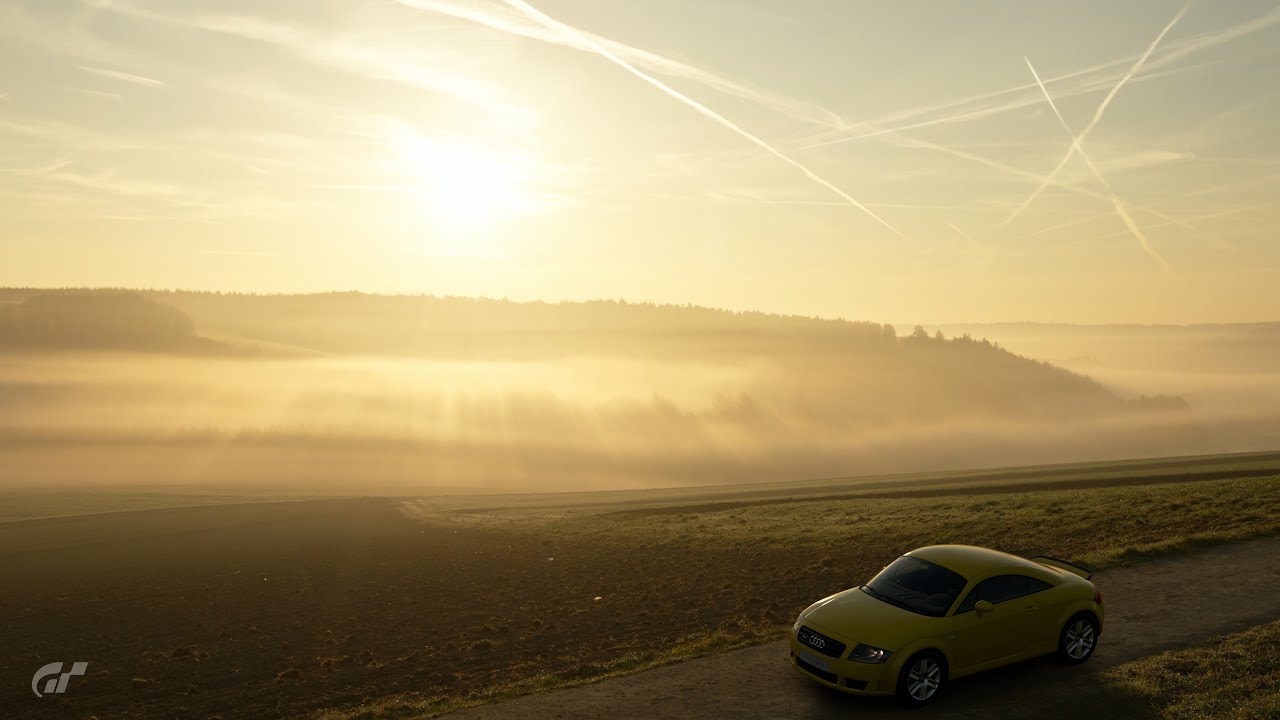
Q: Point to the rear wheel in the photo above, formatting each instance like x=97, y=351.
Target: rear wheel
x=1078, y=639
x=921, y=678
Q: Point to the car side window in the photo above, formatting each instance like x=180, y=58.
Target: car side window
x=998, y=589
x=1003, y=588
x=1034, y=586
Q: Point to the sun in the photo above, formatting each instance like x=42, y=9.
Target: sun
x=466, y=186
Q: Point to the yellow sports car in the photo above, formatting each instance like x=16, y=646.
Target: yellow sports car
x=943, y=612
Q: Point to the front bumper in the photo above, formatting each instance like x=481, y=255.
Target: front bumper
x=843, y=675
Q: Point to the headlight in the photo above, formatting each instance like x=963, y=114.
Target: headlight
x=867, y=654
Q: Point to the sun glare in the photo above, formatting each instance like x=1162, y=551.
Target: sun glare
x=464, y=185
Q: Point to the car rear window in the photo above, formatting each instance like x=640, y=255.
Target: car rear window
x=1035, y=586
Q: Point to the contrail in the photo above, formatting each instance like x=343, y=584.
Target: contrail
x=960, y=232
x=905, y=141
x=604, y=52
x=1206, y=216
x=1088, y=78
x=653, y=62
x=986, y=111
x=1115, y=199
x=1097, y=114
x=971, y=115
x=1137, y=233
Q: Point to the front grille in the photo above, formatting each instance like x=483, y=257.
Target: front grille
x=823, y=644
x=828, y=676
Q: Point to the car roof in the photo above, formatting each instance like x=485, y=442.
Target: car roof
x=969, y=560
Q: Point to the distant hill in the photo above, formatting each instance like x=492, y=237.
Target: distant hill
x=841, y=371
x=107, y=320
x=837, y=372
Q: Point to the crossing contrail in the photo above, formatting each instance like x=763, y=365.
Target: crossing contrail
x=1115, y=199
x=597, y=47
x=1097, y=115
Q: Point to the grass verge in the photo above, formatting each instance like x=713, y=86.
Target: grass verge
x=1235, y=678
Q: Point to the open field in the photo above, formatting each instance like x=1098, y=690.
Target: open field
x=289, y=608
x=34, y=503
x=444, y=502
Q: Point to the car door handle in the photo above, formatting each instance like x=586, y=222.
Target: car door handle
x=1031, y=608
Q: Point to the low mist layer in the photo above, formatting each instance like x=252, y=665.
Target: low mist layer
x=353, y=392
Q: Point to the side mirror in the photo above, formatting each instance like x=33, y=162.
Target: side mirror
x=983, y=606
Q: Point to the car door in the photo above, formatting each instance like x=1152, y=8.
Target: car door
x=984, y=638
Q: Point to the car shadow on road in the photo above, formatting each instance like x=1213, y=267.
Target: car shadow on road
x=1041, y=689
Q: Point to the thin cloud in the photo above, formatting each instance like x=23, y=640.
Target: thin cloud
x=1146, y=159
x=554, y=24
x=123, y=76
x=110, y=182
x=348, y=54
x=1097, y=116
x=114, y=97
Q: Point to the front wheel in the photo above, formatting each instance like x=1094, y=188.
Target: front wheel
x=1078, y=639
x=921, y=678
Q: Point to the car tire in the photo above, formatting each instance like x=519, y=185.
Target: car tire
x=921, y=678
x=1078, y=639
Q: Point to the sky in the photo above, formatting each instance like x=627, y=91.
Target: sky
x=902, y=162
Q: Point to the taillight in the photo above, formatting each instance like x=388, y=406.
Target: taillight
x=1097, y=596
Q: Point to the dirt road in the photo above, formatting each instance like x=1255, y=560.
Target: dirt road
x=1151, y=607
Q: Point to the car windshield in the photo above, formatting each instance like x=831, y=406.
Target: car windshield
x=916, y=585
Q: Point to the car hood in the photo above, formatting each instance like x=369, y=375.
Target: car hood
x=855, y=616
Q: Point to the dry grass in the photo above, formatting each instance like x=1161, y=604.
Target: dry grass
x=1236, y=678
x=1107, y=526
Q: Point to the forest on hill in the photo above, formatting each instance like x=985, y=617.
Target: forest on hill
x=837, y=370
x=350, y=389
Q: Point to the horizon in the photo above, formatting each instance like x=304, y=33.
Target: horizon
x=899, y=323
x=1111, y=164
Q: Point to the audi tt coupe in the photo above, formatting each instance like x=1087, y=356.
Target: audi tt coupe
x=943, y=612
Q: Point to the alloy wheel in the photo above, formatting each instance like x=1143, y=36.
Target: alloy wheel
x=924, y=679
x=1080, y=639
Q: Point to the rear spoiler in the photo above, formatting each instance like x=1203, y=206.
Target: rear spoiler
x=1080, y=570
